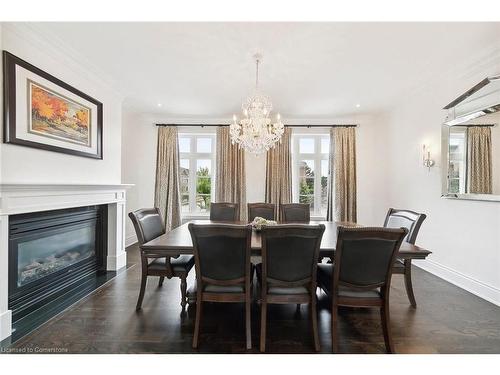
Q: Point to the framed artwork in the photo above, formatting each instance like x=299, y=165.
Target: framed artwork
x=43, y=112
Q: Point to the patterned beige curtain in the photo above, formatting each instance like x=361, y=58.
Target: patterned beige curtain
x=167, y=194
x=479, y=160
x=230, y=181
x=342, y=165
x=279, y=172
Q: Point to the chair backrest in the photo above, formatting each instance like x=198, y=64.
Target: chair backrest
x=265, y=210
x=222, y=253
x=224, y=211
x=148, y=224
x=364, y=256
x=405, y=219
x=290, y=254
x=295, y=213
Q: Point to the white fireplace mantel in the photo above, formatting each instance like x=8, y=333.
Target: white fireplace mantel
x=25, y=198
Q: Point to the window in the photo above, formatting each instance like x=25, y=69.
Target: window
x=197, y=178
x=310, y=171
x=457, y=155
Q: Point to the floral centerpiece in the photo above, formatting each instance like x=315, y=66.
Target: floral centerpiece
x=258, y=222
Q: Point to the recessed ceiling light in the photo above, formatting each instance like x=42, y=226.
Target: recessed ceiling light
x=358, y=105
x=159, y=104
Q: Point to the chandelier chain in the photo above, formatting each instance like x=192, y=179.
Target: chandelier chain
x=257, y=61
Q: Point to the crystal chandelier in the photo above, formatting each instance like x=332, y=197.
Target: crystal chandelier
x=255, y=132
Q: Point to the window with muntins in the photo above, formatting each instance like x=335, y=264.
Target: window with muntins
x=310, y=154
x=196, y=171
x=457, y=160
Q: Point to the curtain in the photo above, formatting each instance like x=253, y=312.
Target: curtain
x=342, y=171
x=279, y=173
x=479, y=160
x=230, y=181
x=167, y=194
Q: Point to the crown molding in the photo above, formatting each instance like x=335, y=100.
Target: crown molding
x=50, y=43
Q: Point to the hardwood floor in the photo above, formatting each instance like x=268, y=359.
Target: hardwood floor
x=447, y=320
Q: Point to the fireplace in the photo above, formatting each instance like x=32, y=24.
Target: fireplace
x=53, y=257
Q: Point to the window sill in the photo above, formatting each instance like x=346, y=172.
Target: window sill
x=318, y=218
x=188, y=217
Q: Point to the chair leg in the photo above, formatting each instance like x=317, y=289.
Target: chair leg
x=386, y=327
x=160, y=283
x=314, y=321
x=183, y=291
x=335, y=312
x=248, y=323
x=141, y=293
x=263, y=322
x=197, y=322
x=408, y=283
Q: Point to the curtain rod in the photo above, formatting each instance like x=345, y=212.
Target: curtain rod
x=473, y=125
x=288, y=126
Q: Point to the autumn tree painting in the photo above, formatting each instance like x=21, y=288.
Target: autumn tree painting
x=58, y=117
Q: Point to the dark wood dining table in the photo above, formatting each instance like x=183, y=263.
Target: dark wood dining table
x=178, y=241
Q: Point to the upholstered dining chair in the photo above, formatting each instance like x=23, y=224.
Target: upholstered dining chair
x=412, y=221
x=288, y=270
x=223, y=269
x=360, y=275
x=224, y=211
x=295, y=213
x=264, y=210
x=148, y=225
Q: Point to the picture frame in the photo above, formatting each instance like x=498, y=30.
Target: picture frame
x=42, y=111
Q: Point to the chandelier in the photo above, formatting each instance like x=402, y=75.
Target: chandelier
x=255, y=131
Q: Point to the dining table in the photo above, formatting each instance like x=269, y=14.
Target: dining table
x=178, y=241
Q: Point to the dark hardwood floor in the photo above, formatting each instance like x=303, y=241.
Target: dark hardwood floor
x=447, y=320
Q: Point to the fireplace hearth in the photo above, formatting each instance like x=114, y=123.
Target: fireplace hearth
x=54, y=257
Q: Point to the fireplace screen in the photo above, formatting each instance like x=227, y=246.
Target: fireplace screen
x=40, y=257
x=53, y=257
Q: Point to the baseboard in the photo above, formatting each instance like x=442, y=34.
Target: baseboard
x=480, y=289
x=130, y=240
x=5, y=324
x=115, y=263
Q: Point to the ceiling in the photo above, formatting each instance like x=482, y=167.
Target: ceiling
x=310, y=70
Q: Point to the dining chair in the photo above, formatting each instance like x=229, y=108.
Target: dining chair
x=412, y=221
x=360, y=275
x=288, y=270
x=224, y=211
x=148, y=225
x=264, y=210
x=295, y=213
x=223, y=269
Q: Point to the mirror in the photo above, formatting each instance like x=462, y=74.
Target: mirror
x=473, y=156
x=471, y=144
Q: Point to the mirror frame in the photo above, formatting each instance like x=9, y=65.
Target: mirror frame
x=452, y=120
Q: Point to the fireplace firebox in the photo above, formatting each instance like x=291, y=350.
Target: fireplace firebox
x=54, y=256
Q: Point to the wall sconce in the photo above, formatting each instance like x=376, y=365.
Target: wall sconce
x=426, y=157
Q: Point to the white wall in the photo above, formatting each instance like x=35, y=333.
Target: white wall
x=139, y=161
x=464, y=236
x=139, y=140
x=28, y=165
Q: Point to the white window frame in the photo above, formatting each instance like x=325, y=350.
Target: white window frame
x=317, y=156
x=462, y=178
x=192, y=156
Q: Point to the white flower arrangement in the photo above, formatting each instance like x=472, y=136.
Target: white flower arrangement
x=258, y=222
